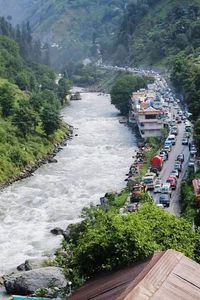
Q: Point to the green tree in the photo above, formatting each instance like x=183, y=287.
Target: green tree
x=122, y=90
x=64, y=86
x=25, y=119
x=107, y=240
x=7, y=99
x=50, y=120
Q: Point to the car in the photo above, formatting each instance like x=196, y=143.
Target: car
x=163, y=155
x=132, y=207
x=178, y=166
x=160, y=205
x=181, y=157
x=166, y=189
x=172, y=181
x=167, y=148
x=193, y=150
x=184, y=141
x=183, y=118
x=174, y=173
x=174, y=131
x=173, y=123
x=191, y=162
x=164, y=199
x=157, y=188
x=168, y=143
x=172, y=138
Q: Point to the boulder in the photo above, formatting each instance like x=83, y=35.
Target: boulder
x=26, y=283
x=64, y=233
x=31, y=264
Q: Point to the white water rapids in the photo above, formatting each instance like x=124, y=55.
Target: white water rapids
x=93, y=163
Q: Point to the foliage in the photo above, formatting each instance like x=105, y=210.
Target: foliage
x=27, y=89
x=50, y=120
x=153, y=30
x=107, y=241
x=122, y=90
x=6, y=99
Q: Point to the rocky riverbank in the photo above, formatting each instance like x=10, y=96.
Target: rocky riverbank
x=49, y=158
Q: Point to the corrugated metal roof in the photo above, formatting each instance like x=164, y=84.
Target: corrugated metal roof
x=165, y=276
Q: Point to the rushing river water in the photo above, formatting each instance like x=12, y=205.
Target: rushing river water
x=93, y=163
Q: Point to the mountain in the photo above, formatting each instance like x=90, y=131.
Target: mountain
x=75, y=29
x=153, y=31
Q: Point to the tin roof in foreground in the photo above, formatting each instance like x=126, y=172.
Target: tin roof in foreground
x=165, y=276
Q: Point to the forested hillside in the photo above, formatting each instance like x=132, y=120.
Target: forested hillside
x=29, y=103
x=75, y=29
x=154, y=30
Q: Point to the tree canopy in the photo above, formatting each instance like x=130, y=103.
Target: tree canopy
x=107, y=240
x=122, y=90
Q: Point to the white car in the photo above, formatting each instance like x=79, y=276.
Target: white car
x=157, y=188
x=174, y=173
x=166, y=189
x=193, y=150
x=191, y=162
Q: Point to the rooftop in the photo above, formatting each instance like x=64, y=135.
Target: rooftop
x=166, y=275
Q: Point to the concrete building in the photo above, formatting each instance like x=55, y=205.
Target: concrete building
x=147, y=112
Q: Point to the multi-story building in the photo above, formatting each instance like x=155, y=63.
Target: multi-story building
x=146, y=110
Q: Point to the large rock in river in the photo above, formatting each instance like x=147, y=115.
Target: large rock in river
x=26, y=283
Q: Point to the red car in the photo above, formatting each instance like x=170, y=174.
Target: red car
x=172, y=181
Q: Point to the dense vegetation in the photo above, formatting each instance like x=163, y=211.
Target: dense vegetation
x=107, y=240
x=154, y=30
x=122, y=90
x=76, y=29
x=29, y=103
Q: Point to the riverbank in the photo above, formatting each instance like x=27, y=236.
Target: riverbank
x=59, y=141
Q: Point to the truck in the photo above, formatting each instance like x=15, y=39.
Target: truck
x=157, y=163
x=149, y=180
x=136, y=191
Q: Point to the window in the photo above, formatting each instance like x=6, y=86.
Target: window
x=150, y=117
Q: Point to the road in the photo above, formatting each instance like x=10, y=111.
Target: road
x=168, y=167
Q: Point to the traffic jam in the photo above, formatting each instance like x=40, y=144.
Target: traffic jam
x=169, y=166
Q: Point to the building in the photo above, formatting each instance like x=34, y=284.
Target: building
x=148, y=113
x=196, y=187
x=166, y=275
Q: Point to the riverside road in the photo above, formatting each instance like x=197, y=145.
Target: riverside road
x=168, y=167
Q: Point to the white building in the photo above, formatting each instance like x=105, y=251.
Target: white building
x=148, y=118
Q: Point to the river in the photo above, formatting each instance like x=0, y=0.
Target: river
x=93, y=163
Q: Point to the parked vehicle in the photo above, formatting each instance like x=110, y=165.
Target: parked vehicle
x=181, y=157
x=172, y=181
x=163, y=155
x=185, y=141
x=167, y=148
x=174, y=173
x=193, y=150
x=136, y=191
x=172, y=139
x=157, y=162
x=188, y=126
x=191, y=162
x=164, y=199
x=149, y=180
x=132, y=207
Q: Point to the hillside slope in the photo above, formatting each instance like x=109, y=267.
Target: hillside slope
x=74, y=29
x=154, y=35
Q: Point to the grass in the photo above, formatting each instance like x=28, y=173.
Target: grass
x=118, y=200
x=16, y=151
